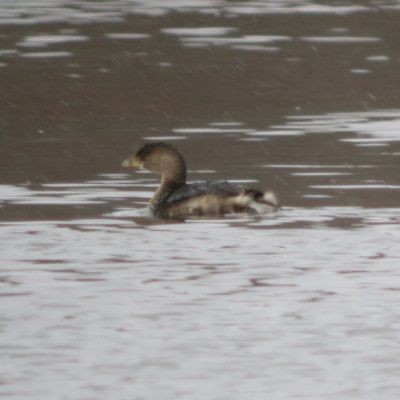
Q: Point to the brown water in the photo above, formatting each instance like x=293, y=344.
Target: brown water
x=98, y=300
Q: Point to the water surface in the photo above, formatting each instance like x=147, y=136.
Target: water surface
x=101, y=300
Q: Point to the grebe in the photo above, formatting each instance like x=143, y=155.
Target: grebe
x=175, y=198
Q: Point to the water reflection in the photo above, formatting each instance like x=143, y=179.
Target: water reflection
x=345, y=129
x=340, y=39
x=383, y=124
x=45, y=40
x=46, y=54
x=249, y=42
x=127, y=36
x=100, y=299
x=57, y=11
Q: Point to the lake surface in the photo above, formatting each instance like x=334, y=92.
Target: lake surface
x=99, y=300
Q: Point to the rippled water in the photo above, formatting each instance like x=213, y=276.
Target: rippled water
x=98, y=299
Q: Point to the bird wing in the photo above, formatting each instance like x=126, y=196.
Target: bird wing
x=219, y=188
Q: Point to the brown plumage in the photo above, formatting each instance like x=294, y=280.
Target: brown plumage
x=175, y=198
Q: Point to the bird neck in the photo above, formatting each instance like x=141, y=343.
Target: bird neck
x=172, y=167
x=166, y=187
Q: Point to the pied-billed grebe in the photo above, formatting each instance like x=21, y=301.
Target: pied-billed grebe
x=176, y=198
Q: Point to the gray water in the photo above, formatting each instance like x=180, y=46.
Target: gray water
x=99, y=300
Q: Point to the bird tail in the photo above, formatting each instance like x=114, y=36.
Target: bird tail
x=258, y=201
x=263, y=201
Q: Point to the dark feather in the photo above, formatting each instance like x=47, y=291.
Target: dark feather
x=219, y=188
